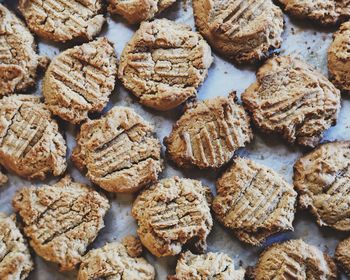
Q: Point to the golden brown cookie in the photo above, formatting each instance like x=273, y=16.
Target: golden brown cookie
x=135, y=11
x=213, y=266
x=342, y=255
x=80, y=80
x=64, y=20
x=15, y=260
x=254, y=201
x=3, y=178
x=30, y=143
x=61, y=220
x=209, y=133
x=119, y=151
x=243, y=31
x=18, y=58
x=295, y=259
x=164, y=64
x=339, y=58
x=118, y=261
x=292, y=99
x=322, y=178
x=173, y=213
x=325, y=12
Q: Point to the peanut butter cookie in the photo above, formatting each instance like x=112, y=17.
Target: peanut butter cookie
x=15, y=260
x=243, y=31
x=164, y=64
x=61, y=220
x=119, y=151
x=209, y=133
x=80, y=80
x=254, y=201
x=292, y=99
x=173, y=213
x=64, y=20
x=342, y=255
x=30, y=143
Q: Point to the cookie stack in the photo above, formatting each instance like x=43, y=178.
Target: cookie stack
x=163, y=66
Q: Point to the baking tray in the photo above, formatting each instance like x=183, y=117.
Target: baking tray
x=302, y=39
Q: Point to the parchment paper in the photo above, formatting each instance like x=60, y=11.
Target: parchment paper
x=300, y=38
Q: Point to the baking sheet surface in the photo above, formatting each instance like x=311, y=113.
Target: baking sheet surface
x=300, y=39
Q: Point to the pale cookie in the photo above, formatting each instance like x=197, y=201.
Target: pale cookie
x=295, y=259
x=254, y=201
x=61, y=220
x=63, y=20
x=214, y=266
x=30, y=143
x=3, y=178
x=173, y=214
x=209, y=133
x=164, y=64
x=339, y=58
x=19, y=61
x=117, y=261
x=80, y=80
x=292, y=99
x=322, y=179
x=325, y=12
x=342, y=255
x=135, y=11
x=119, y=151
x=15, y=260
x=243, y=31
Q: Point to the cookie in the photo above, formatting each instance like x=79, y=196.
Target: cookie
x=19, y=61
x=342, y=255
x=295, y=259
x=135, y=11
x=325, y=12
x=322, y=179
x=15, y=260
x=118, y=261
x=207, y=266
x=164, y=64
x=243, y=31
x=65, y=20
x=119, y=151
x=3, y=178
x=209, y=133
x=292, y=99
x=254, y=201
x=61, y=220
x=80, y=80
x=339, y=58
x=172, y=214
x=30, y=143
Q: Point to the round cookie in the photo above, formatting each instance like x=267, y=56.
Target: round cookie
x=19, y=61
x=117, y=260
x=254, y=201
x=172, y=214
x=3, y=178
x=15, y=260
x=65, y=20
x=30, y=143
x=322, y=179
x=119, y=151
x=325, y=12
x=209, y=133
x=61, y=220
x=80, y=80
x=243, y=31
x=164, y=64
x=339, y=58
x=206, y=266
x=292, y=99
x=342, y=255
x=294, y=259
x=135, y=11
